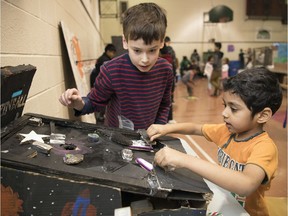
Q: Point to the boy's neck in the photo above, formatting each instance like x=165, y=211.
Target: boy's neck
x=247, y=135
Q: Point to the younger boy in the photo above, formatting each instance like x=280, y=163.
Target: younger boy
x=247, y=156
x=136, y=85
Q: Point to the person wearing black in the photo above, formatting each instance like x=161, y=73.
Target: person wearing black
x=168, y=50
x=217, y=68
x=195, y=57
x=108, y=54
x=241, y=59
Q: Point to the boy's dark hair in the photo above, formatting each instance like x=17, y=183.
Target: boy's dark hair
x=110, y=47
x=258, y=88
x=218, y=45
x=145, y=21
x=167, y=39
x=164, y=53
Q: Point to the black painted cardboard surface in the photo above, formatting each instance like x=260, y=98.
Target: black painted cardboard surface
x=102, y=165
x=15, y=85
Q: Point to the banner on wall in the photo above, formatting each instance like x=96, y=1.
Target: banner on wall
x=77, y=64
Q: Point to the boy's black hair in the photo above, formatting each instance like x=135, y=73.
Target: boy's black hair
x=110, y=47
x=258, y=88
x=145, y=21
x=167, y=39
x=218, y=45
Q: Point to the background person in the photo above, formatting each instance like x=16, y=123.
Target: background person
x=109, y=53
x=217, y=68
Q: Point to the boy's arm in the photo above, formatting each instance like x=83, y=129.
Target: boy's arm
x=157, y=130
x=242, y=183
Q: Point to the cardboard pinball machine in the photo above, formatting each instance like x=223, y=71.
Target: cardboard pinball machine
x=62, y=167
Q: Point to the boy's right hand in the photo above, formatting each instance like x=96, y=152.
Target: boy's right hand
x=155, y=131
x=72, y=99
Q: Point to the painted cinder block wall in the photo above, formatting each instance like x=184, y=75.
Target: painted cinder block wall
x=31, y=34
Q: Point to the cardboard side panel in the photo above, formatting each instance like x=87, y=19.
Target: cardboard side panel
x=15, y=85
x=26, y=193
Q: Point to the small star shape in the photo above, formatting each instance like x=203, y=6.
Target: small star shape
x=32, y=136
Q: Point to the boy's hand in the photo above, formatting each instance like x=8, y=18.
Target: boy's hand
x=169, y=158
x=155, y=131
x=72, y=99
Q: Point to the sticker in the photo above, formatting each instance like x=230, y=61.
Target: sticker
x=17, y=93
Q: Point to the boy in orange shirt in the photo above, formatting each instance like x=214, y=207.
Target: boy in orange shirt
x=247, y=156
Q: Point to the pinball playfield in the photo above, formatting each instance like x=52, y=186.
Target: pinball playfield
x=66, y=167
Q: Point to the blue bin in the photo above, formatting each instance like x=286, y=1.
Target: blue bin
x=234, y=66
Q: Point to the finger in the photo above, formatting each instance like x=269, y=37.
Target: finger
x=71, y=95
x=63, y=100
x=170, y=168
x=153, y=133
x=157, y=157
x=160, y=158
x=150, y=130
x=152, y=138
x=66, y=98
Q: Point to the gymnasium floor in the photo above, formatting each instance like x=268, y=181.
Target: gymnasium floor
x=208, y=109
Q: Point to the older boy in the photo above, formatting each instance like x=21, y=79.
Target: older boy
x=247, y=156
x=136, y=85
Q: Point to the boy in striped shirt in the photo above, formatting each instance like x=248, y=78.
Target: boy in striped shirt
x=136, y=85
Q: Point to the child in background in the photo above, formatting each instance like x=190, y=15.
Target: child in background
x=247, y=156
x=185, y=65
x=249, y=63
x=136, y=85
x=225, y=68
x=187, y=79
x=208, y=72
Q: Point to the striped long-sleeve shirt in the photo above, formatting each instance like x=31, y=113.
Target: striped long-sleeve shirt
x=142, y=97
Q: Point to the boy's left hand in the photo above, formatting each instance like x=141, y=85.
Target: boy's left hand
x=169, y=158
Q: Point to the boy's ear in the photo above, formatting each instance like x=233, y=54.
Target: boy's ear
x=162, y=45
x=264, y=115
x=124, y=42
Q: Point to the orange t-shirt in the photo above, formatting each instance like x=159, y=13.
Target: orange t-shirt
x=260, y=150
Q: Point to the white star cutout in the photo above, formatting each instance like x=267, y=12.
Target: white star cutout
x=32, y=136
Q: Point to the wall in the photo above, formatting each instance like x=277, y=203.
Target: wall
x=188, y=32
x=30, y=34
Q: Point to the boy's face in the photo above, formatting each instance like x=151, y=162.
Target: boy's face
x=143, y=56
x=111, y=54
x=237, y=116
